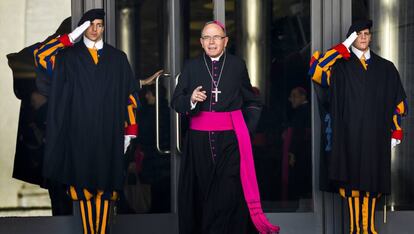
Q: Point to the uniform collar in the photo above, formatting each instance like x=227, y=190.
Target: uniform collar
x=93, y=45
x=359, y=53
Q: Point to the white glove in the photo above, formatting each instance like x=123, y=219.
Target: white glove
x=127, y=141
x=75, y=34
x=348, y=42
x=394, y=142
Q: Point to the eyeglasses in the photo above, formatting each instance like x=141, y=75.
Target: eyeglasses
x=215, y=38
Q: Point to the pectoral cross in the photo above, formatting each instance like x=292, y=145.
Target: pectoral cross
x=216, y=93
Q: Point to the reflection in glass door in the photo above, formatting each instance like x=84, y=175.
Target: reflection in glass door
x=274, y=39
x=146, y=34
x=140, y=27
x=277, y=52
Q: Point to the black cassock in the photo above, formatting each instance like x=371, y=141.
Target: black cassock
x=211, y=198
x=85, y=122
x=362, y=106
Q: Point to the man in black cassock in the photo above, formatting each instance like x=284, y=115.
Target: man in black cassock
x=91, y=117
x=367, y=101
x=210, y=190
x=297, y=148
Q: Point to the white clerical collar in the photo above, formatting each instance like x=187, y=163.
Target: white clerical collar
x=359, y=53
x=93, y=45
x=217, y=58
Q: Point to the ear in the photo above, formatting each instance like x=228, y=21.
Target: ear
x=201, y=42
x=226, y=40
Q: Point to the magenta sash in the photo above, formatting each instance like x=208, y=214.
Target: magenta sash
x=222, y=121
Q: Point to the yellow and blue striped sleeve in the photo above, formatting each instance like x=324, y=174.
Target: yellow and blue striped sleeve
x=131, y=126
x=400, y=111
x=321, y=64
x=320, y=70
x=45, y=55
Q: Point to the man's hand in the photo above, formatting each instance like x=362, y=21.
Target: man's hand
x=198, y=95
x=343, y=48
x=75, y=34
x=292, y=159
x=394, y=142
x=348, y=42
x=150, y=80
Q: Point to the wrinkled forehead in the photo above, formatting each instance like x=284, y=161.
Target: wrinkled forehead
x=212, y=29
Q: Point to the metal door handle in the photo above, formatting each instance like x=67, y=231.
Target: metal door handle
x=157, y=115
x=178, y=122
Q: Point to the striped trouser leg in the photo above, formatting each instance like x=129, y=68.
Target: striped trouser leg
x=368, y=210
x=103, y=202
x=86, y=207
x=354, y=205
x=365, y=213
x=371, y=208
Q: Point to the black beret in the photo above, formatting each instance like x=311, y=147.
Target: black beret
x=359, y=25
x=92, y=15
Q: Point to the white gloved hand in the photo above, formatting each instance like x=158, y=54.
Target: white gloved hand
x=75, y=34
x=394, y=142
x=348, y=42
x=127, y=141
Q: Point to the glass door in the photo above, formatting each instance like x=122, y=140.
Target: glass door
x=140, y=27
x=274, y=38
x=156, y=35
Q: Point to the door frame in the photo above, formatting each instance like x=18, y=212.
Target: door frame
x=330, y=20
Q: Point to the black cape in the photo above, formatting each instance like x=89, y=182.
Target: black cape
x=87, y=108
x=300, y=183
x=362, y=106
x=325, y=146
x=210, y=197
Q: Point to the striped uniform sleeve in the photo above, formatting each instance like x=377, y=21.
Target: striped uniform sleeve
x=320, y=64
x=400, y=111
x=131, y=126
x=45, y=55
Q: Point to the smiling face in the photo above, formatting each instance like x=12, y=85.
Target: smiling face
x=213, y=40
x=363, y=40
x=95, y=30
